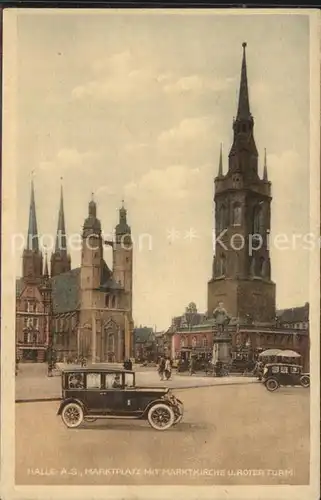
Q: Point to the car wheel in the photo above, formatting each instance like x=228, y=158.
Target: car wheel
x=161, y=417
x=178, y=412
x=72, y=415
x=272, y=384
x=305, y=381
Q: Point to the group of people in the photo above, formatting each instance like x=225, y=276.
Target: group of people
x=165, y=368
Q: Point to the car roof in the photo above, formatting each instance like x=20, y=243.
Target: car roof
x=96, y=369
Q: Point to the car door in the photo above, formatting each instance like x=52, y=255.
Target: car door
x=94, y=393
x=113, y=393
x=130, y=395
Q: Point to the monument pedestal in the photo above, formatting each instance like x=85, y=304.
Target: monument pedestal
x=222, y=349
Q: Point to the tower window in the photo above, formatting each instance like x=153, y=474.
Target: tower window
x=113, y=302
x=262, y=267
x=222, y=218
x=258, y=220
x=222, y=265
x=252, y=267
x=237, y=214
x=107, y=300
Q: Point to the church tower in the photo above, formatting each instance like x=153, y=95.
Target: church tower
x=32, y=262
x=90, y=278
x=241, y=274
x=91, y=256
x=60, y=260
x=123, y=258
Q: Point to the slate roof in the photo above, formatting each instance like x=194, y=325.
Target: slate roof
x=144, y=334
x=65, y=291
x=106, y=280
x=294, y=315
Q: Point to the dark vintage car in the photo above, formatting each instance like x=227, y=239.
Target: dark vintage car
x=93, y=393
x=280, y=374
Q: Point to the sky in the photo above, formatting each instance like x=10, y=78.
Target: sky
x=135, y=107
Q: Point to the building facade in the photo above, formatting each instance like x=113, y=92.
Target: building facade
x=83, y=311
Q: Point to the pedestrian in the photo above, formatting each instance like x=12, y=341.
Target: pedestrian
x=161, y=368
x=191, y=365
x=168, y=368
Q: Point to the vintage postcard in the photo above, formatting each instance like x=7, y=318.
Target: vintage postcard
x=160, y=254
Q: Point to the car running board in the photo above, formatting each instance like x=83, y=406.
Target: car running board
x=111, y=416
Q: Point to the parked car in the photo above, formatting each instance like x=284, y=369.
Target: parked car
x=281, y=374
x=92, y=393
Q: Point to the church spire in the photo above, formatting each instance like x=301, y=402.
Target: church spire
x=61, y=240
x=32, y=240
x=243, y=157
x=220, y=166
x=243, y=110
x=60, y=260
x=32, y=263
x=46, y=271
x=265, y=172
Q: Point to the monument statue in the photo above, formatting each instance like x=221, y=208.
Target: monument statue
x=221, y=317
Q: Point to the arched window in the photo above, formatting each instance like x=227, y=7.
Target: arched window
x=222, y=218
x=107, y=300
x=258, y=220
x=252, y=266
x=222, y=265
x=237, y=214
x=205, y=341
x=194, y=342
x=262, y=267
x=113, y=302
x=111, y=342
x=182, y=342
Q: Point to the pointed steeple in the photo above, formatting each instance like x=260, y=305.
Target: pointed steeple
x=32, y=239
x=92, y=207
x=265, y=172
x=220, y=166
x=243, y=110
x=32, y=264
x=243, y=155
x=46, y=271
x=60, y=259
x=61, y=239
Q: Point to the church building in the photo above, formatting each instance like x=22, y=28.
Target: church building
x=83, y=311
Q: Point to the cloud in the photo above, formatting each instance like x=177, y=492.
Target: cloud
x=119, y=78
x=198, y=83
x=103, y=191
x=70, y=158
x=286, y=171
x=174, y=182
x=188, y=129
